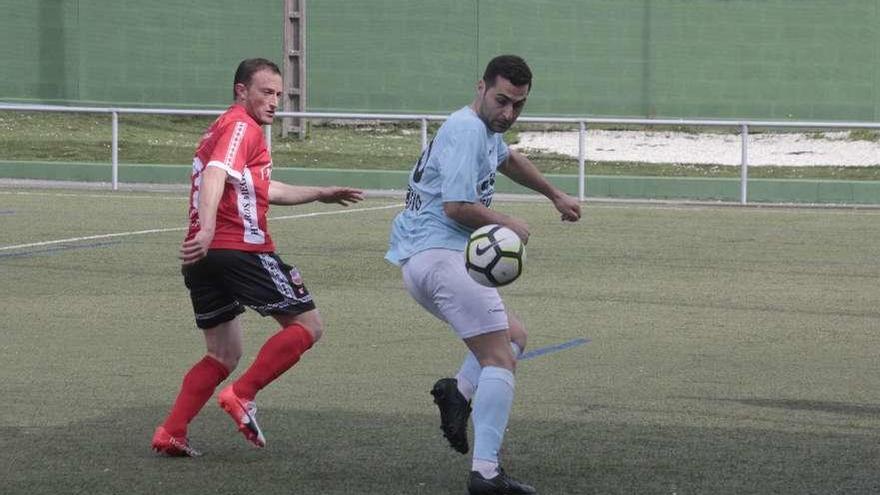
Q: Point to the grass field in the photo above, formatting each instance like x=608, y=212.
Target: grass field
x=732, y=351
x=171, y=140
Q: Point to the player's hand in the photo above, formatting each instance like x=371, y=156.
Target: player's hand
x=196, y=248
x=568, y=207
x=341, y=195
x=520, y=227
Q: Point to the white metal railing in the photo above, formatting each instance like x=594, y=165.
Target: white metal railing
x=582, y=123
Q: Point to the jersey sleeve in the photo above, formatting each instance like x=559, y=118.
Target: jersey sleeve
x=231, y=150
x=458, y=167
x=503, y=151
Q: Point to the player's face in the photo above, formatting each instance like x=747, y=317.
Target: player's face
x=260, y=98
x=500, y=105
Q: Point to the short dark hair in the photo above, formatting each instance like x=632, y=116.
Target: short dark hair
x=511, y=67
x=250, y=66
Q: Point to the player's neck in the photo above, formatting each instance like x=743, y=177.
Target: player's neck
x=474, y=106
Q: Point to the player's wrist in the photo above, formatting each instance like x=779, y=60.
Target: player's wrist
x=556, y=195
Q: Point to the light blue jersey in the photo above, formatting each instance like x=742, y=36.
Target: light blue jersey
x=459, y=165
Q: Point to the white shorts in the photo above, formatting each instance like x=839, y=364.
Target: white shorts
x=437, y=280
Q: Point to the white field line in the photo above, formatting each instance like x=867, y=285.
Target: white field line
x=98, y=196
x=175, y=229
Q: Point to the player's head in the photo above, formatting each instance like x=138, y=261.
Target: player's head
x=502, y=92
x=257, y=87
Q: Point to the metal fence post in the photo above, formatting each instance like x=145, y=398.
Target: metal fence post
x=582, y=155
x=267, y=132
x=424, y=133
x=583, y=123
x=744, y=167
x=114, y=151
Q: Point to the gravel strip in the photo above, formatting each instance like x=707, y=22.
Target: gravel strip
x=786, y=150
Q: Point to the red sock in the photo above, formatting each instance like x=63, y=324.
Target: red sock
x=198, y=386
x=277, y=355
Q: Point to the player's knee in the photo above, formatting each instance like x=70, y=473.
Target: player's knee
x=310, y=321
x=313, y=324
x=316, y=330
x=507, y=362
x=518, y=334
x=500, y=358
x=512, y=365
x=227, y=357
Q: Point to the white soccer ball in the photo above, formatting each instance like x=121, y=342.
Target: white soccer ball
x=494, y=256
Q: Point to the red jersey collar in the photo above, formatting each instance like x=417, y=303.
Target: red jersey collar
x=241, y=112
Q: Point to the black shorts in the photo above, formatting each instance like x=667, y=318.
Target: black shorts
x=224, y=281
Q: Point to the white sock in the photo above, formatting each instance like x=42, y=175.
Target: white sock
x=491, y=410
x=517, y=352
x=468, y=375
x=487, y=469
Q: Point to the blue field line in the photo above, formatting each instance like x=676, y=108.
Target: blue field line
x=554, y=348
x=55, y=249
x=7, y=212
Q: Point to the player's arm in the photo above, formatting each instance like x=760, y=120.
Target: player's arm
x=522, y=171
x=458, y=172
x=475, y=215
x=211, y=187
x=286, y=194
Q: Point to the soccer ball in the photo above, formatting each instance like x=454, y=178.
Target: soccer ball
x=494, y=256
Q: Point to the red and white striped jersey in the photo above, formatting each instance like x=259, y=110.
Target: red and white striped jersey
x=235, y=143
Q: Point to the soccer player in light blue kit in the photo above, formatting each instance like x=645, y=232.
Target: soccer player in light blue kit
x=450, y=191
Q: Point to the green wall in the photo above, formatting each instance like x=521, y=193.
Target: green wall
x=129, y=52
x=762, y=59
x=772, y=59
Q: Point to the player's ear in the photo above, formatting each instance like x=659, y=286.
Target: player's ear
x=481, y=86
x=240, y=89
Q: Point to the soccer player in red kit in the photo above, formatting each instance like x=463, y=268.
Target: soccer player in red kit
x=229, y=261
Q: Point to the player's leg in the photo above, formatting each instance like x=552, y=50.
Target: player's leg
x=493, y=399
x=277, y=355
x=273, y=288
x=224, y=346
x=280, y=352
x=492, y=403
x=438, y=281
x=216, y=313
x=468, y=375
x=478, y=316
x=422, y=275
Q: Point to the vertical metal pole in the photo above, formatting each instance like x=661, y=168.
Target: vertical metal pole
x=582, y=155
x=114, y=151
x=267, y=132
x=744, y=167
x=424, y=133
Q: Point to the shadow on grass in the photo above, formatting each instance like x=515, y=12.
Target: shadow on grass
x=333, y=452
x=846, y=408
